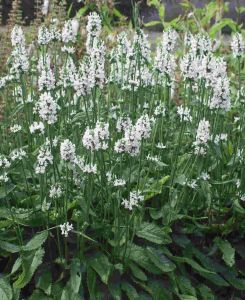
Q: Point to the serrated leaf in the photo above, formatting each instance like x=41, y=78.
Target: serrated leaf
x=36, y=242
x=5, y=290
x=102, y=266
x=227, y=250
x=153, y=233
x=160, y=260
x=30, y=262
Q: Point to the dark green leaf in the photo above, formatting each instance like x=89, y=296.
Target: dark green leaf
x=102, y=266
x=153, y=233
x=227, y=250
x=160, y=260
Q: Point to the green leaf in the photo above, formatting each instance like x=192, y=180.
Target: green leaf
x=137, y=272
x=153, y=233
x=227, y=250
x=185, y=286
x=152, y=23
x=159, y=291
x=192, y=263
x=115, y=291
x=39, y=295
x=91, y=283
x=129, y=290
x=45, y=282
x=5, y=290
x=36, y=242
x=156, y=188
x=82, y=11
x=102, y=266
x=138, y=255
x=220, y=25
x=11, y=248
x=16, y=265
x=187, y=297
x=160, y=260
x=30, y=262
x=205, y=292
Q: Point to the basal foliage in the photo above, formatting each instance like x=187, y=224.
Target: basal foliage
x=111, y=164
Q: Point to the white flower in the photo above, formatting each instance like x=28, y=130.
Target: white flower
x=134, y=199
x=15, y=128
x=19, y=61
x=46, y=79
x=45, y=7
x=68, y=73
x=45, y=206
x=67, y=151
x=192, y=184
x=202, y=137
x=237, y=45
x=242, y=197
x=69, y=31
x=68, y=49
x=36, y=126
x=123, y=123
x=4, y=162
x=97, y=138
x=55, y=191
x=161, y=146
x=160, y=110
x=44, y=35
x=17, y=154
x=47, y=108
x=93, y=30
x=220, y=137
x=44, y=158
x=17, y=36
x=204, y=176
x=66, y=228
x=143, y=126
x=153, y=158
x=119, y=182
x=184, y=113
x=238, y=183
x=4, y=177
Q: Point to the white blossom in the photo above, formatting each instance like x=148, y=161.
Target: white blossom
x=55, y=191
x=67, y=151
x=15, y=128
x=97, y=138
x=202, y=137
x=135, y=198
x=66, y=228
x=37, y=126
x=47, y=108
x=44, y=158
x=238, y=45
